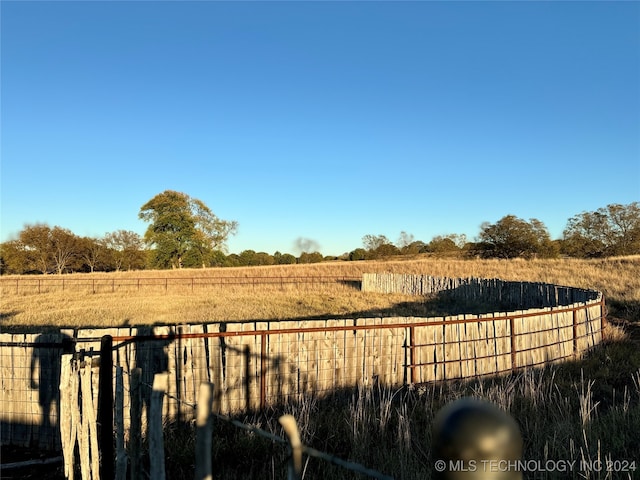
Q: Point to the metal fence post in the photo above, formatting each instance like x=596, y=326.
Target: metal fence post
x=412, y=355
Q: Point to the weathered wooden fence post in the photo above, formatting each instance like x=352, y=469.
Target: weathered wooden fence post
x=288, y=423
x=135, y=429
x=105, y=407
x=89, y=453
x=121, y=454
x=156, y=442
x=68, y=403
x=204, y=432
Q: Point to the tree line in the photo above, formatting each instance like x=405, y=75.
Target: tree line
x=184, y=233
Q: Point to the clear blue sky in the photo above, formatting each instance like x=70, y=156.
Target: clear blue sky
x=327, y=120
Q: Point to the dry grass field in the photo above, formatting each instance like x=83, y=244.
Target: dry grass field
x=78, y=305
x=585, y=411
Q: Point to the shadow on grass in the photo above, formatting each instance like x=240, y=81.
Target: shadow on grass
x=594, y=402
x=627, y=310
x=389, y=429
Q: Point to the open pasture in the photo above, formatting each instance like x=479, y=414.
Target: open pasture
x=272, y=293
x=594, y=401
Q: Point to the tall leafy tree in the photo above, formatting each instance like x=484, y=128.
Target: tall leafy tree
x=13, y=258
x=314, y=257
x=65, y=248
x=373, y=242
x=35, y=241
x=181, y=225
x=92, y=252
x=442, y=244
x=612, y=230
x=46, y=250
x=512, y=237
x=125, y=250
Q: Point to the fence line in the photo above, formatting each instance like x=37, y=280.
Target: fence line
x=49, y=283
x=256, y=364
x=79, y=428
x=511, y=294
x=304, y=449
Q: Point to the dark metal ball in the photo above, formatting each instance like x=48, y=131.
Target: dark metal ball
x=476, y=440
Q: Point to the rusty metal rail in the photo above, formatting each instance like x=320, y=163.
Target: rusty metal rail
x=411, y=346
x=279, y=331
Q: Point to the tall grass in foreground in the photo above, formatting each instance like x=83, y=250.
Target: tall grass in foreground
x=583, y=411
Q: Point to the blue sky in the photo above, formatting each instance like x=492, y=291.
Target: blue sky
x=323, y=120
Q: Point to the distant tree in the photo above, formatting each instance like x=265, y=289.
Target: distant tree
x=612, y=230
x=546, y=248
x=358, y=254
x=315, y=257
x=512, y=237
x=459, y=239
x=288, y=259
x=263, y=258
x=3, y=260
x=373, y=242
x=378, y=246
x=251, y=258
x=385, y=250
x=415, y=247
x=65, y=248
x=232, y=260
x=247, y=258
x=442, y=244
x=125, y=250
x=217, y=259
x=37, y=246
x=93, y=253
x=404, y=240
x=13, y=258
x=178, y=224
x=285, y=259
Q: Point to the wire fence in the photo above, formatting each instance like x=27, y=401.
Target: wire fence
x=64, y=283
x=272, y=437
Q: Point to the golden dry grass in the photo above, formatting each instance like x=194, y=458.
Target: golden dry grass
x=617, y=278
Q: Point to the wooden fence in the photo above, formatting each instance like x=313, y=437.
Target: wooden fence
x=83, y=449
x=488, y=291
x=256, y=364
